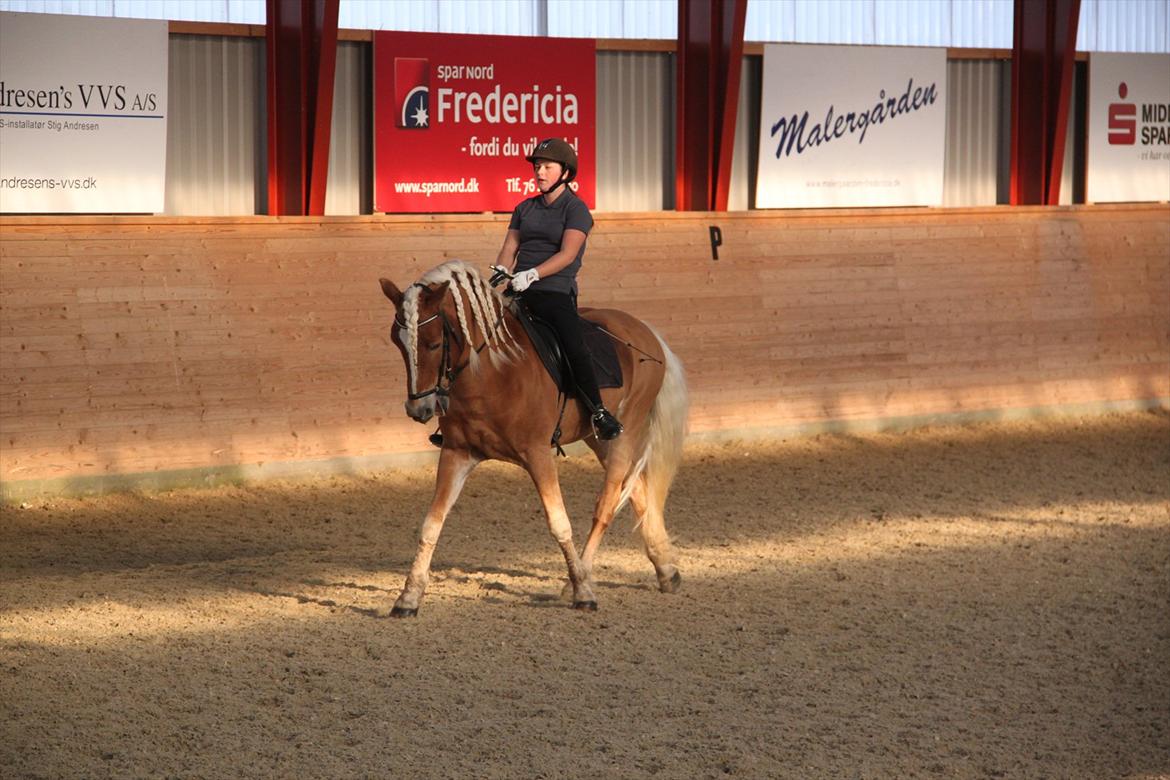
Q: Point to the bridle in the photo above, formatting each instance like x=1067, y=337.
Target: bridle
x=446, y=370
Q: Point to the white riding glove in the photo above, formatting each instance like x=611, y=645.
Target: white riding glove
x=523, y=280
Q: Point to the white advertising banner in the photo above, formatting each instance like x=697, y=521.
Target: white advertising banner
x=83, y=124
x=852, y=126
x=1129, y=128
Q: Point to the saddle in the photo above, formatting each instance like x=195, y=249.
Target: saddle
x=548, y=346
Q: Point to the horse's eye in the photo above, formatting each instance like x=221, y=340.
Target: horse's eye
x=434, y=346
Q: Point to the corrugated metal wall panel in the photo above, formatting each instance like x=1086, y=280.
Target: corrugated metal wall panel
x=1124, y=25
x=1105, y=25
x=80, y=7
x=350, y=186
x=635, y=131
x=982, y=24
x=247, y=11
x=650, y=19
x=215, y=126
x=912, y=22
x=237, y=11
x=973, y=23
x=190, y=10
x=742, y=194
x=569, y=19
x=1087, y=25
x=497, y=17
x=838, y=21
x=974, y=95
x=413, y=15
x=216, y=158
x=770, y=20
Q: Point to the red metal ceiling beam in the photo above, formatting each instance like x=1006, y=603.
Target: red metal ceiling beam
x=709, y=65
x=301, y=42
x=1043, y=52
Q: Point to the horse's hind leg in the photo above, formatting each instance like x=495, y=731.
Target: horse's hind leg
x=543, y=471
x=454, y=466
x=648, y=509
x=617, y=466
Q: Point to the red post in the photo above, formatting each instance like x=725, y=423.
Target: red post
x=1043, y=52
x=730, y=69
x=301, y=41
x=709, y=65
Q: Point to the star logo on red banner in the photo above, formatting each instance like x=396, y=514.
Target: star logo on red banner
x=412, y=92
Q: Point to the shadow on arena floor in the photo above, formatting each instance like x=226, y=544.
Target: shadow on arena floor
x=731, y=492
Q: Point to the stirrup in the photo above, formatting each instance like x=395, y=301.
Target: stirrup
x=436, y=439
x=605, y=425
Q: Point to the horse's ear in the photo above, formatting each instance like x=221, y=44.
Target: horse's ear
x=391, y=292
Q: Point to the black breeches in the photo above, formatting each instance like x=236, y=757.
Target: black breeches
x=560, y=311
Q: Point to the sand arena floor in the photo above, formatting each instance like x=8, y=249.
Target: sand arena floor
x=988, y=601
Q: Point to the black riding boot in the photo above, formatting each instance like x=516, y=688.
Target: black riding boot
x=605, y=425
x=560, y=311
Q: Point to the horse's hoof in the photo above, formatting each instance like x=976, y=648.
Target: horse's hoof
x=672, y=585
x=401, y=612
x=585, y=606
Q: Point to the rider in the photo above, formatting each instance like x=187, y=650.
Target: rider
x=543, y=247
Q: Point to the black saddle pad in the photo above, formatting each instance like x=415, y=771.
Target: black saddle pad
x=606, y=367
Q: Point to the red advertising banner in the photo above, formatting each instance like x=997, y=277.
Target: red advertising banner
x=454, y=116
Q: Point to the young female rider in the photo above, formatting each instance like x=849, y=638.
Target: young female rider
x=543, y=247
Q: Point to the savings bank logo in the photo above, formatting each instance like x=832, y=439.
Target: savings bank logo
x=412, y=92
x=1122, y=119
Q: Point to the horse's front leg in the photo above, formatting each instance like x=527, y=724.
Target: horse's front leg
x=454, y=466
x=543, y=471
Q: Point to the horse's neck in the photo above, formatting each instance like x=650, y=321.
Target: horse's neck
x=508, y=330
x=491, y=373
x=521, y=337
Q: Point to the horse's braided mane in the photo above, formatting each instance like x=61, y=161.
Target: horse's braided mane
x=476, y=303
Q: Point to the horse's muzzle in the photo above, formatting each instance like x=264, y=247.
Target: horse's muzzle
x=421, y=410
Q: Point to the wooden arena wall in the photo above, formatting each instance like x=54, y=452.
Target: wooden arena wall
x=134, y=351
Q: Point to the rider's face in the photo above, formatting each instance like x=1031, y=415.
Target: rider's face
x=546, y=173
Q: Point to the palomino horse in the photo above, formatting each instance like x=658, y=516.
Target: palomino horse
x=469, y=361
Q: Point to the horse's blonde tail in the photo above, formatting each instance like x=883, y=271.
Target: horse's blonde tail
x=651, y=478
x=662, y=452
x=668, y=430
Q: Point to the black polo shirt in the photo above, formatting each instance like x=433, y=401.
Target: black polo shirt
x=542, y=227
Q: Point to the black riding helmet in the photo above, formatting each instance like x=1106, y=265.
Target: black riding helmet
x=558, y=151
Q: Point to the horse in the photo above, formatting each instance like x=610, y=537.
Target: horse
x=481, y=375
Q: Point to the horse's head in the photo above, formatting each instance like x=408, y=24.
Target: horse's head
x=442, y=322
x=423, y=333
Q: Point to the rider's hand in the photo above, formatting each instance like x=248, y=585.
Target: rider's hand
x=523, y=280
